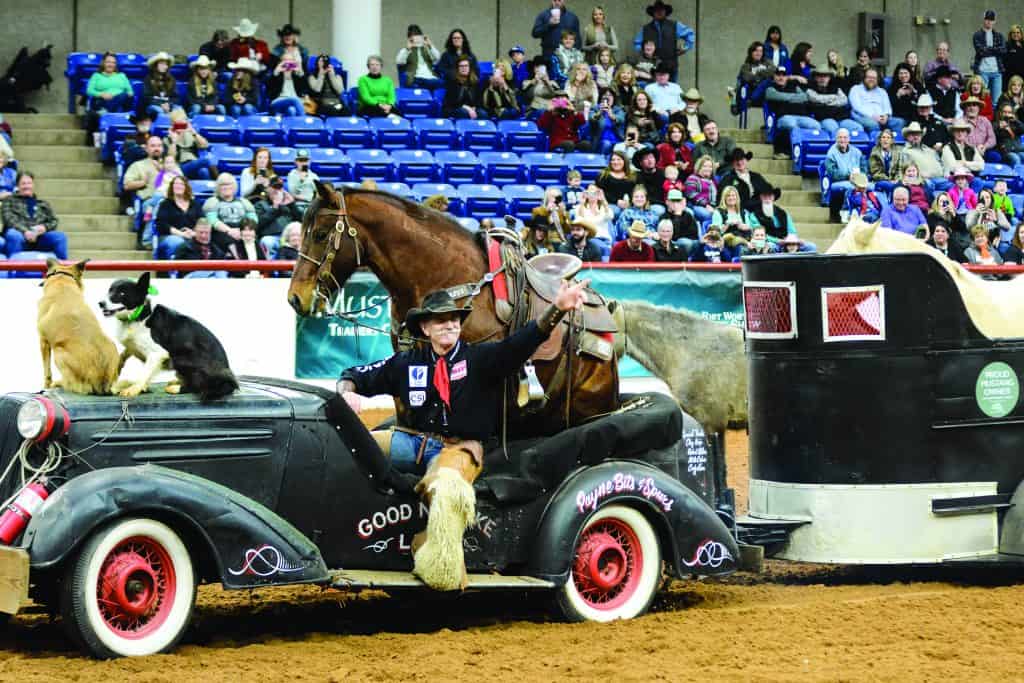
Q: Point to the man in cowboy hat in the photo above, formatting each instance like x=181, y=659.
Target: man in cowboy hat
x=861, y=201
x=247, y=45
x=666, y=96
x=827, y=102
x=451, y=391
x=551, y=23
x=791, y=105
x=935, y=133
x=958, y=152
x=671, y=38
x=748, y=183
x=581, y=232
x=690, y=116
x=925, y=158
x=941, y=62
x=715, y=145
x=645, y=161
x=776, y=221
x=947, y=98
x=982, y=135
x=633, y=249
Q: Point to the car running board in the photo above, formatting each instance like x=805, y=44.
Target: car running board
x=360, y=579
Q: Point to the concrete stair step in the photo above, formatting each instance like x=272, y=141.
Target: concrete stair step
x=50, y=187
x=44, y=170
x=807, y=214
x=816, y=231
x=765, y=166
x=50, y=136
x=78, y=223
x=109, y=255
x=753, y=134
x=800, y=198
x=55, y=153
x=21, y=122
x=760, y=151
x=786, y=182
x=101, y=240
x=102, y=205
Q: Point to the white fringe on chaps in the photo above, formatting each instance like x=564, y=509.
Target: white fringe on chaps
x=439, y=562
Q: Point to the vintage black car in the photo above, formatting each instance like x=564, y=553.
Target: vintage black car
x=153, y=496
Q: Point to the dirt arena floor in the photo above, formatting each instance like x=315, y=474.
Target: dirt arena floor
x=791, y=622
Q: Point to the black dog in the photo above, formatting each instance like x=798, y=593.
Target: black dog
x=196, y=355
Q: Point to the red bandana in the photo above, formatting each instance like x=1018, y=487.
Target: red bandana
x=441, y=382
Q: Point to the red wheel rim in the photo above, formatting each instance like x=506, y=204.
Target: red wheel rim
x=136, y=587
x=609, y=563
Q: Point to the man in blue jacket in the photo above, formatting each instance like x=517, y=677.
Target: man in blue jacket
x=549, y=25
x=671, y=38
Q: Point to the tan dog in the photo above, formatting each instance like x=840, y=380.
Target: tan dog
x=69, y=331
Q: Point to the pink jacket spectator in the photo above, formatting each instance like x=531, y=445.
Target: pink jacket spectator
x=970, y=199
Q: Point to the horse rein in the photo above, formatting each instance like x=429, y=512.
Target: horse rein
x=342, y=227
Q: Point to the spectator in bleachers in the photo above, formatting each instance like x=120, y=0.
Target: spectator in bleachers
x=8, y=178
x=202, y=97
x=860, y=201
x=981, y=251
x=455, y=47
x=715, y=145
x=566, y=56
x=562, y=123
x=986, y=213
x=903, y=216
x=942, y=64
x=630, y=143
x=673, y=151
x=666, y=97
x=218, y=50
x=499, y=99
x=580, y=244
x=376, y=91
x=599, y=36
x=301, y=180
x=291, y=240
x=617, y=180
x=159, y=89
x=287, y=86
x=837, y=69
x=108, y=89
x=133, y=147
x=1001, y=200
x=248, y=46
x=633, y=248
x=556, y=211
x=5, y=146
x=665, y=248
x=748, y=183
x=626, y=86
x=581, y=89
x=943, y=212
x=756, y=72
x=176, y=217
x=859, y=68
x=288, y=47
x=1013, y=59
x=672, y=180
x=790, y=103
x=827, y=102
x=607, y=122
x=775, y=51
x=645, y=161
x=461, y=95
x=225, y=211
x=595, y=210
x=926, y=160
x=904, y=92
x=247, y=249
x=241, y=95
x=275, y=209
x=549, y=25
x=539, y=89
x=418, y=58
x=639, y=210
x=800, y=65
x=437, y=202
x=648, y=122
x=700, y=189
x=945, y=94
x=326, y=88
x=692, y=118
x=776, y=221
x=870, y=104
x=573, y=189
x=989, y=48
x=1013, y=96
x=959, y=152
x=758, y=245
x=1015, y=252
x=935, y=132
x=1010, y=136
x=885, y=163
x=730, y=215
x=537, y=235
x=940, y=240
x=520, y=65
x=685, y=230
x=671, y=38
x=913, y=183
x=29, y=222
x=712, y=248
x=185, y=144
x=257, y=177
x=841, y=162
x=975, y=87
x=911, y=59
x=201, y=247
x=981, y=135
x=139, y=180
x=645, y=63
x=604, y=70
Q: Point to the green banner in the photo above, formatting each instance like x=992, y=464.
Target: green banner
x=326, y=346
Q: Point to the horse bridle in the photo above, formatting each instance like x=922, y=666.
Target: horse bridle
x=342, y=227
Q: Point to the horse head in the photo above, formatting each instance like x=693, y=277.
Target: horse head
x=330, y=252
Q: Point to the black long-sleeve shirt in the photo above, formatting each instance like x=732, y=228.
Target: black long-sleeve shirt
x=169, y=215
x=475, y=372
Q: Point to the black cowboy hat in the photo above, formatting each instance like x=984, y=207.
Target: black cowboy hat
x=663, y=68
x=288, y=30
x=942, y=71
x=435, y=303
x=738, y=154
x=638, y=156
x=658, y=4
x=765, y=189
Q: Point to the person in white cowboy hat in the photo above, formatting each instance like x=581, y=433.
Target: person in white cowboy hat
x=982, y=134
x=963, y=197
x=861, y=201
x=581, y=232
x=159, y=89
x=692, y=118
x=241, y=95
x=958, y=152
x=201, y=96
x=935, y=133
x=671, y=38
x=247, y=45
x=926, y=159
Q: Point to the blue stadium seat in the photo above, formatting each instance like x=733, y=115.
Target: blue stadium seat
x=1018, y=204
x=216, y=129
x=1018, y=183
x=477, y=135
x=434, y=134
x=393, y=132
x=486, y=69
x=283, y=159
x=181, y=70
x=482, y=200
x=114, y=127
x=997, y=171
x=471, y=224
x=458, y=166
x=588, y=164
x=521, y=136
x=414, y=165
x=501, y=168
x=181, y=87
x=400, y=189
x=897, y=137
x=545, y=167
x=349, y=132
x=132, y=64
x=861, y=140
x=161, y=124
x=259, y=130
x=303, y=131
x=330, y=164
x=80, y=65
x=370, y=163
x=522, y=199
x=29, y=256
x=203, y=189
x=424, y=190
x=809, y=147
x=415, y=103
x=231, y=158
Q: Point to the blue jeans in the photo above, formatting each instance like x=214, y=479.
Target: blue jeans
x=122, y=102
x=197, y=109
x=792, y=122
x=993, y=82
x=933, y=185
x=427, y=83
x=166, y=246
x=288, y=106
x=831, y=125
x=242, y=110
x=1012, y=158
x=701, y=213
x=57, y=242
x=219, y=274
x=405, y=446
x=198, y=169
x=869, y=124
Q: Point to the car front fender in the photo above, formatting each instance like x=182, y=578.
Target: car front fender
x=693, y=538
x=250, y=545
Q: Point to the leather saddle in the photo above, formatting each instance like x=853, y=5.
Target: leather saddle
x=544, y=275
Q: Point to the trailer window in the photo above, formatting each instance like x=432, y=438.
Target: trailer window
x=770, y=309
x=853, y=313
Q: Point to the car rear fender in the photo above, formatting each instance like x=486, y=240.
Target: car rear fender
x=693, y=538
x=250, y=545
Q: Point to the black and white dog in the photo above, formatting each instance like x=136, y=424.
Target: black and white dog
x=128, y=303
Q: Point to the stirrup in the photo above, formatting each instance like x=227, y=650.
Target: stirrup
x=531, y=391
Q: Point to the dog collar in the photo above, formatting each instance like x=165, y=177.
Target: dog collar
x=135, y=314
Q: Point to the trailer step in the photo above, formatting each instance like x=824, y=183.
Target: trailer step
x=348, y=579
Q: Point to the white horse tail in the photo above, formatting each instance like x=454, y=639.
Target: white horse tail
x=439, y=562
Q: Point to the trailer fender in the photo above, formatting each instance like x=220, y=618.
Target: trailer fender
x=250, y=545
x=693, y=538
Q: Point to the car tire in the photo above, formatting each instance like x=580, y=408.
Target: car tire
x=616, y=567
x=130, y=590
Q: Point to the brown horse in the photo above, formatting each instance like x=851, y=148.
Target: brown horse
x=414, y=250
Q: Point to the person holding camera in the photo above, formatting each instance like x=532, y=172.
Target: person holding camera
x=301, y=180
x=539, y=89
x=499, y=99
x=275, y=209
x=417, y=59
x=286, y=87
x=326, y=89
x=256, y=178
x=606, y=122
x=186, y=145
x=985, y=213
x=562, y=123
x=1009, y=136
x=288, y=47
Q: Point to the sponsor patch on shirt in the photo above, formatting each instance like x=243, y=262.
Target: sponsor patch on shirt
x=417, y=376
x=417, y=398
x=459, y=370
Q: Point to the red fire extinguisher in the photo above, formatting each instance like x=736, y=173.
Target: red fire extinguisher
x=15, y=518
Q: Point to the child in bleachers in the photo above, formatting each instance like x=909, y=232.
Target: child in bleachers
x=1000, y=201
x=520, y=65
x=964, y=198
x=573, y=189
x=860, y=201
x=672, y=181
x=8, y=178
x=915, y=187
x=645, y=63
x=712, y=249
x=566, y=56
x=604, y=70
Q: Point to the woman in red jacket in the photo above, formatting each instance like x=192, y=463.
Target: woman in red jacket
x=562, y=124
x=674, y=152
